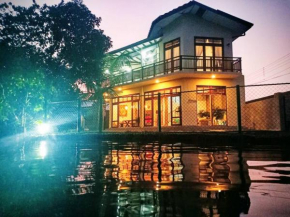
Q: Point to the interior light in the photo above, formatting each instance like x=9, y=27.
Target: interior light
x=126, y=107
x=107, y=71
x=157, y=81
x=119, y=89
x=212, y=76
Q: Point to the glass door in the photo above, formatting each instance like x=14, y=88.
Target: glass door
x=171, y=55
x=209, y=54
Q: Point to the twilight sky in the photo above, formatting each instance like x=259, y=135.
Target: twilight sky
x=266, y=44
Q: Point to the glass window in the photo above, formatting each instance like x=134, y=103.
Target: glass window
x=171, y=54
x=125, y=112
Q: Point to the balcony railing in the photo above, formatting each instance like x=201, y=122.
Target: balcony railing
x=180, y=63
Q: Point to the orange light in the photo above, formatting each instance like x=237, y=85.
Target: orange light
x=212, y=76
x=119, y=89
x=157, y=81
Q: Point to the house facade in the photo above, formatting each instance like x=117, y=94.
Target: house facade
x=188, y=59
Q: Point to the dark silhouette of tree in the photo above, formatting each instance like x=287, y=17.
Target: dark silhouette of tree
x=44, y=52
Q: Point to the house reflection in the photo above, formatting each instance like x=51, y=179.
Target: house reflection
x=83, y=180
x=175, y=180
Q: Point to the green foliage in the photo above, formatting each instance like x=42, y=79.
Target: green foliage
x=44, y=52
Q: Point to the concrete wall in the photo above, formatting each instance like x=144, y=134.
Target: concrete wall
x=263, y=114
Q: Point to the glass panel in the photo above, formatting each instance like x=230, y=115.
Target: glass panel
x=165, y=111
x=199, y=54
x=218, y=57
x=115, y=116
x=155, y=106
x=135, y=114
x=176, y=42
x=218, y=51
x=148, y=113
x=218, y=41
x=168, y=45
x=203, y=109
x=168, y=54
x=208, y=56
x=176, y=110
x=209, y=41
x=199, y=40
x=176, y=51
x=125, y=114
x=208, y=51
x=199, y=50
x=219, y=109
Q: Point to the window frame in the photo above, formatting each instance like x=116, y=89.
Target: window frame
x=116, y=101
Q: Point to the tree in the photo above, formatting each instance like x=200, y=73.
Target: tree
x=22, y=88
x=62, y=44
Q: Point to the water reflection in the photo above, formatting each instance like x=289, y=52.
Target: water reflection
x=57, y=178
x=174, y=180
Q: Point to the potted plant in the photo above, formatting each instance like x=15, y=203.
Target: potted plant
x=218, y=113
x=203, y=114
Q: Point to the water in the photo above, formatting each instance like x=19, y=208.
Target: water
x=57, y=178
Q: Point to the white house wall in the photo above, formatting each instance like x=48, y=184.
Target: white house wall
x=189, y=26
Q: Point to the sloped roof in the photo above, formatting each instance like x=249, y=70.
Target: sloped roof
x=237, y=25
x=137, y=46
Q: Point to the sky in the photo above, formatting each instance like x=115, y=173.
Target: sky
x=265, y=50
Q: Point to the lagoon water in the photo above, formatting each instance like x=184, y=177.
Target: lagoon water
x=68, y=178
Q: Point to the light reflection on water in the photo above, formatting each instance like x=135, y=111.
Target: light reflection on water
x=49, y=178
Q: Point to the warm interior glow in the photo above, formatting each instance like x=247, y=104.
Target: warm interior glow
x=212, y=76
x=157, y=81
x=119, y=89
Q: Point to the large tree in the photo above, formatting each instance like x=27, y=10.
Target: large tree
x=49, y=49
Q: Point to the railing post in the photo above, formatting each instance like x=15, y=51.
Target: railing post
x=239, y=115
x=142, y=73
x=132, y=76
x=79, y=124
x=180, y=63
x=154, y=70
x=159, y=112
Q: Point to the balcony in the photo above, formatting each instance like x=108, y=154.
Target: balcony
x=177, y=64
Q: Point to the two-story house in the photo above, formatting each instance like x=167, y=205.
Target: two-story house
x=187, y=49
